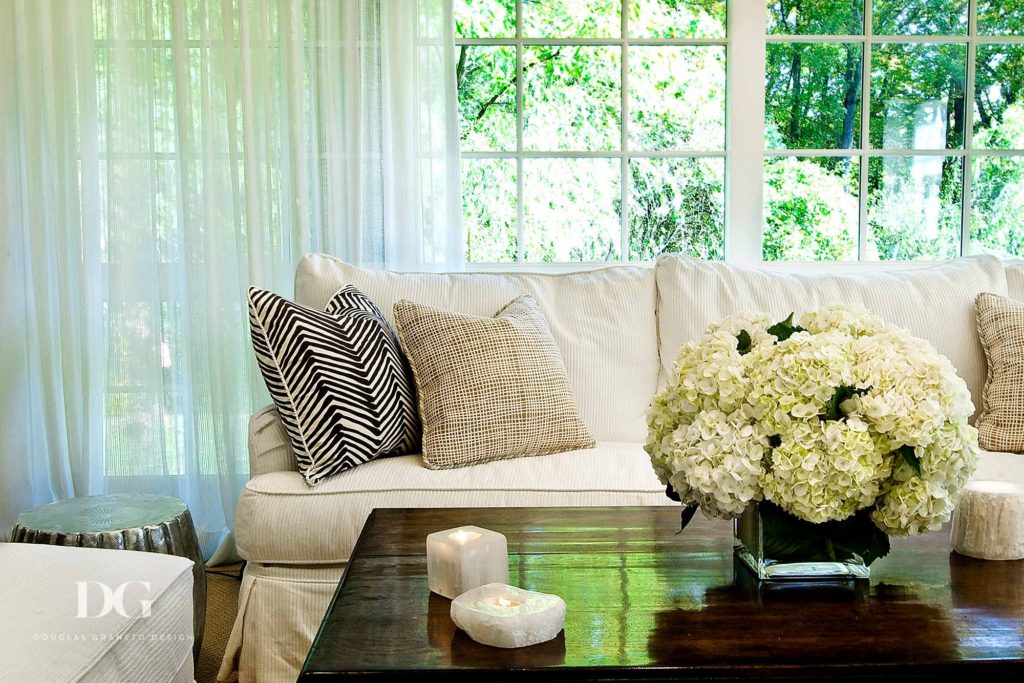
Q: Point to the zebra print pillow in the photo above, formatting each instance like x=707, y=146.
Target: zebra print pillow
x=341, y=384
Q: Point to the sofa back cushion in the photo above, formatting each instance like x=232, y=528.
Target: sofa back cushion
x=1015, y=279
x=934, y=302
x=604, y=322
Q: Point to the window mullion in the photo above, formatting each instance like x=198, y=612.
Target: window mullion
x=520, y=211
x=967, y=167
x=744, y=122
x=865, y=132
x=624, y=132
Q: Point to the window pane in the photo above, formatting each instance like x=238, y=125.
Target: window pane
x=486, y=80
x=677, y=19
x=999, y=97
x=811, y=209
x=914, y=207
x=572, y=19
x=571, y=98
x=1001, y=17
x=916, y=17
x=816, y=17
x=917, y=96
x=572, y=209
x=812, y=95
x=997, y=204
x=485, y=18
x=676, y=205
x=489, y=209
x=667, y=111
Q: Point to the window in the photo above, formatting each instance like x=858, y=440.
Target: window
x=894, y=129
x=596, y=130
x=591, y=130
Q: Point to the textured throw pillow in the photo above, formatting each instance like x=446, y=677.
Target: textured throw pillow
x=489, y=388
x=338, y=377
x=1001, y=329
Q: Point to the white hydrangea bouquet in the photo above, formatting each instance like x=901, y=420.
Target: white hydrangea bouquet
x=834, y=432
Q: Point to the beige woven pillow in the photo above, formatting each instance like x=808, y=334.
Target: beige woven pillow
x=1001, y=329
x=489, y=388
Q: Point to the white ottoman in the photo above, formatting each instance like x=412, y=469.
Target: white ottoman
x=70, y=614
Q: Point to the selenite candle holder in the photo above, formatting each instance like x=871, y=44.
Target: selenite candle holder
x=505, y=616
x=464, y=558
x=988, y=522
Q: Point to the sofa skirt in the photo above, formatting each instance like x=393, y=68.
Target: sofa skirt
x=280, y=608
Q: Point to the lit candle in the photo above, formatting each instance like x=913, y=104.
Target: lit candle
x=989, y=521
x=465, y=557
x=505, y=616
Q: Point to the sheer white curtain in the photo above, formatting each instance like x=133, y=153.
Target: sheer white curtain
x=156, y=158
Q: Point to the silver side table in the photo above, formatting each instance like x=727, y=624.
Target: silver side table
x=144, y=522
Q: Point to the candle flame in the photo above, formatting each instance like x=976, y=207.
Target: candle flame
x=502, y=601
x=462, y=536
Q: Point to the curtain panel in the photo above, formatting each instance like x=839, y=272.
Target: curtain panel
x=156, y=158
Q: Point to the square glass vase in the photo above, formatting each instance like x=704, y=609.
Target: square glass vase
x=755, y=551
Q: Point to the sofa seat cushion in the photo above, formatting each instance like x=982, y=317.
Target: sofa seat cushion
x=282, y=520
x=604, y=322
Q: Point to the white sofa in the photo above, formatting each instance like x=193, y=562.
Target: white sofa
x=618, y=329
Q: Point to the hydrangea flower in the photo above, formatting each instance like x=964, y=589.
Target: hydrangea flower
x=826, y=417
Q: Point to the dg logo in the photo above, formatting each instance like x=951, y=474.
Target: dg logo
x=98, y=599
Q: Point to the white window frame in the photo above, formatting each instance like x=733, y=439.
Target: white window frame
x=624, y=154
x=745, y=152
x=967, y=153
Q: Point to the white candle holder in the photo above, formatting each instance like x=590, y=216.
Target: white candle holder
x=465, y=557
x=505, y=616
x=988, y=522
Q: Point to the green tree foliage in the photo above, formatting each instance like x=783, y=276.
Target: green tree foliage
x=573, y=208
x=571, y=102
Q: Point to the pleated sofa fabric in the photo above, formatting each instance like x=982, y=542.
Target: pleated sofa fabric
x=935, y=303
x=604, y=322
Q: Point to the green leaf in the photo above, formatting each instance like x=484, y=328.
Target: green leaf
x=743, y=342
x=910, y=456
x=687, y=514
x=790, y=539
x=785, y=329
x=833, y=411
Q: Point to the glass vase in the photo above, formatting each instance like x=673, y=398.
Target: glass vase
x=771, y=558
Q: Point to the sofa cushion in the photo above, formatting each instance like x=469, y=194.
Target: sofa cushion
x=338, y=378
x=1015, y=279
x=282, y=520
x=1001, y=418
x=935, y=302
x=270, y=450
x=489, y=388
x=604, y=323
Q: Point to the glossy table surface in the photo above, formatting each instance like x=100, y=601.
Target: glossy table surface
x=646, y=603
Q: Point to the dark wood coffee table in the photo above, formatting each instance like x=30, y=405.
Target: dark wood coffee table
x=647, y=604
